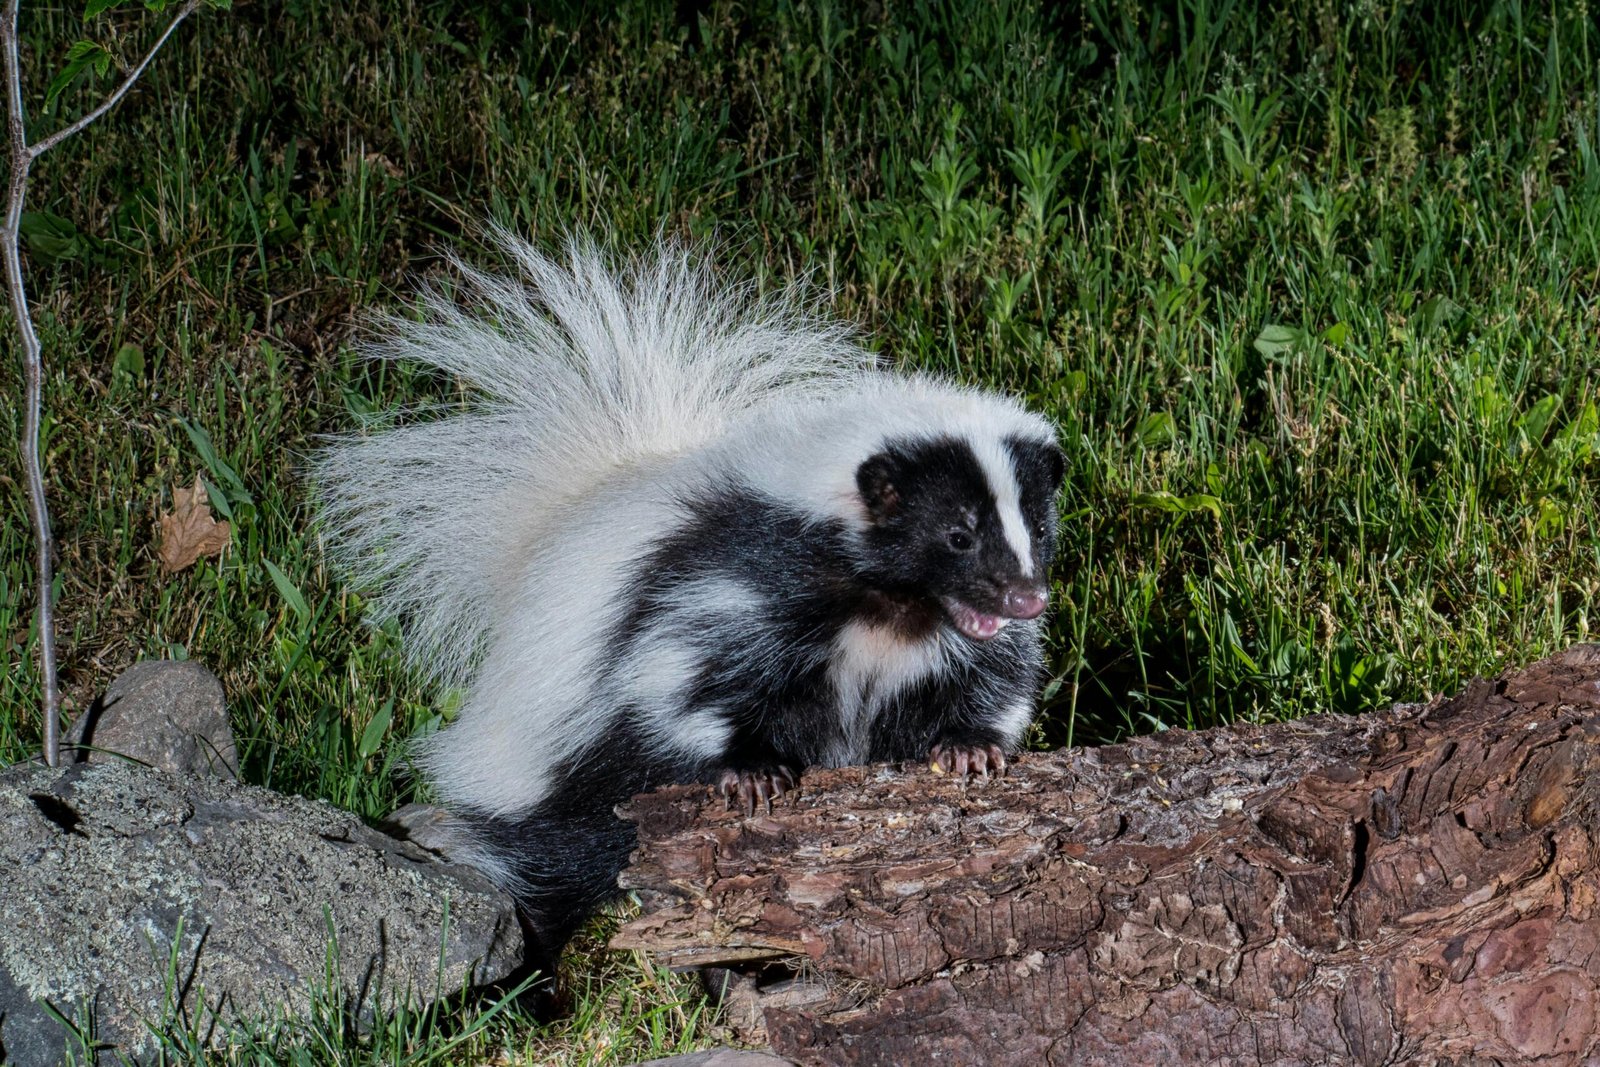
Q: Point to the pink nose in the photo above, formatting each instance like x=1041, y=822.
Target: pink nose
x=1023, y=603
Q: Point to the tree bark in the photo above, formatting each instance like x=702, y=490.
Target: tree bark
x=1415, y=886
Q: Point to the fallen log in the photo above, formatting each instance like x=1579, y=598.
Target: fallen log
x=1419, y=885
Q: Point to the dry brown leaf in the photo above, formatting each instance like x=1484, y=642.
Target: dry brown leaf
x=188, y=531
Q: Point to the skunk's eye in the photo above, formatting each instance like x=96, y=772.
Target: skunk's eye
x=960, y=540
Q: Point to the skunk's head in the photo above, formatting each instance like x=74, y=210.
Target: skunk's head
x=968, y=523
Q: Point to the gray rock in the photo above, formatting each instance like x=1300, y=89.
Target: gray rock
x=114, y=876
x=168, y=714
x=720, y=1057
x=423, y=825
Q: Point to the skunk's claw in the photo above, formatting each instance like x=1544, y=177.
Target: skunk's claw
x=962, y=760
x=749, y=786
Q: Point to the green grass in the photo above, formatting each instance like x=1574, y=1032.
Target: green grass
x=1309, y=287
x=624, y=1010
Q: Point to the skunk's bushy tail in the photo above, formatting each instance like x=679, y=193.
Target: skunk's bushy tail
x=573, y=368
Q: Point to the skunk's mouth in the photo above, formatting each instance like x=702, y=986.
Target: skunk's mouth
x=1017, y=602
x=978, y=625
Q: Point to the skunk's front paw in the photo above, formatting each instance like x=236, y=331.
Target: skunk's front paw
x=748, y=786
x=963, y=759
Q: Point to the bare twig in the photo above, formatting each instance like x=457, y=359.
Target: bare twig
x=22, y=155
x=33, y=369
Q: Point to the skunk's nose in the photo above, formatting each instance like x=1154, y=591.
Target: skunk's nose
x=1022, y=602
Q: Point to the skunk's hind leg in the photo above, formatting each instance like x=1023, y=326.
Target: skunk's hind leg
x=560, y=859
x=560, y=867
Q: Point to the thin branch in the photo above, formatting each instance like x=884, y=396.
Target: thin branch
x=33, y=370
x=35, y=151
x=21, y=156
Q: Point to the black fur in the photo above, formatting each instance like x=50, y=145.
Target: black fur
x=935, y=531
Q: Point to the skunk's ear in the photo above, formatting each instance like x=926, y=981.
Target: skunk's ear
x=875, y=479
x=1038, y=465
x=1057, y=461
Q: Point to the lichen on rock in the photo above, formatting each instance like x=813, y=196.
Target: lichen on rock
x=128, y=895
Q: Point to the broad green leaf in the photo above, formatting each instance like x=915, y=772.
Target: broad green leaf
x=128, y=364
x=219, y=500
x=1276, y=340
x=1536, y=420
x=1552, y=519
x=1161, y=500
x=98, y=7
x=51, y=237
x=80, y=57
x=1203, y=501
x=1581, y=437
x=1156, y=429
x=1487, y=397
x=1436, y=311
x=372, y=736
x=287, y=590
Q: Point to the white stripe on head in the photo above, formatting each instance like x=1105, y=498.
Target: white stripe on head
x=995, y=459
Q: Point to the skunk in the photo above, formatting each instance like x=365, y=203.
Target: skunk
x=681, y=533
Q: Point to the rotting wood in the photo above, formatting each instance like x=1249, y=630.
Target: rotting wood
x=1415, y=886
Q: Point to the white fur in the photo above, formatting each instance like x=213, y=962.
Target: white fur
x=1002, y=478
x=1015, y=720
x=807, y=452
x=576, y=370
x=506, y=535
x=668, y=656
x=869, y=666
